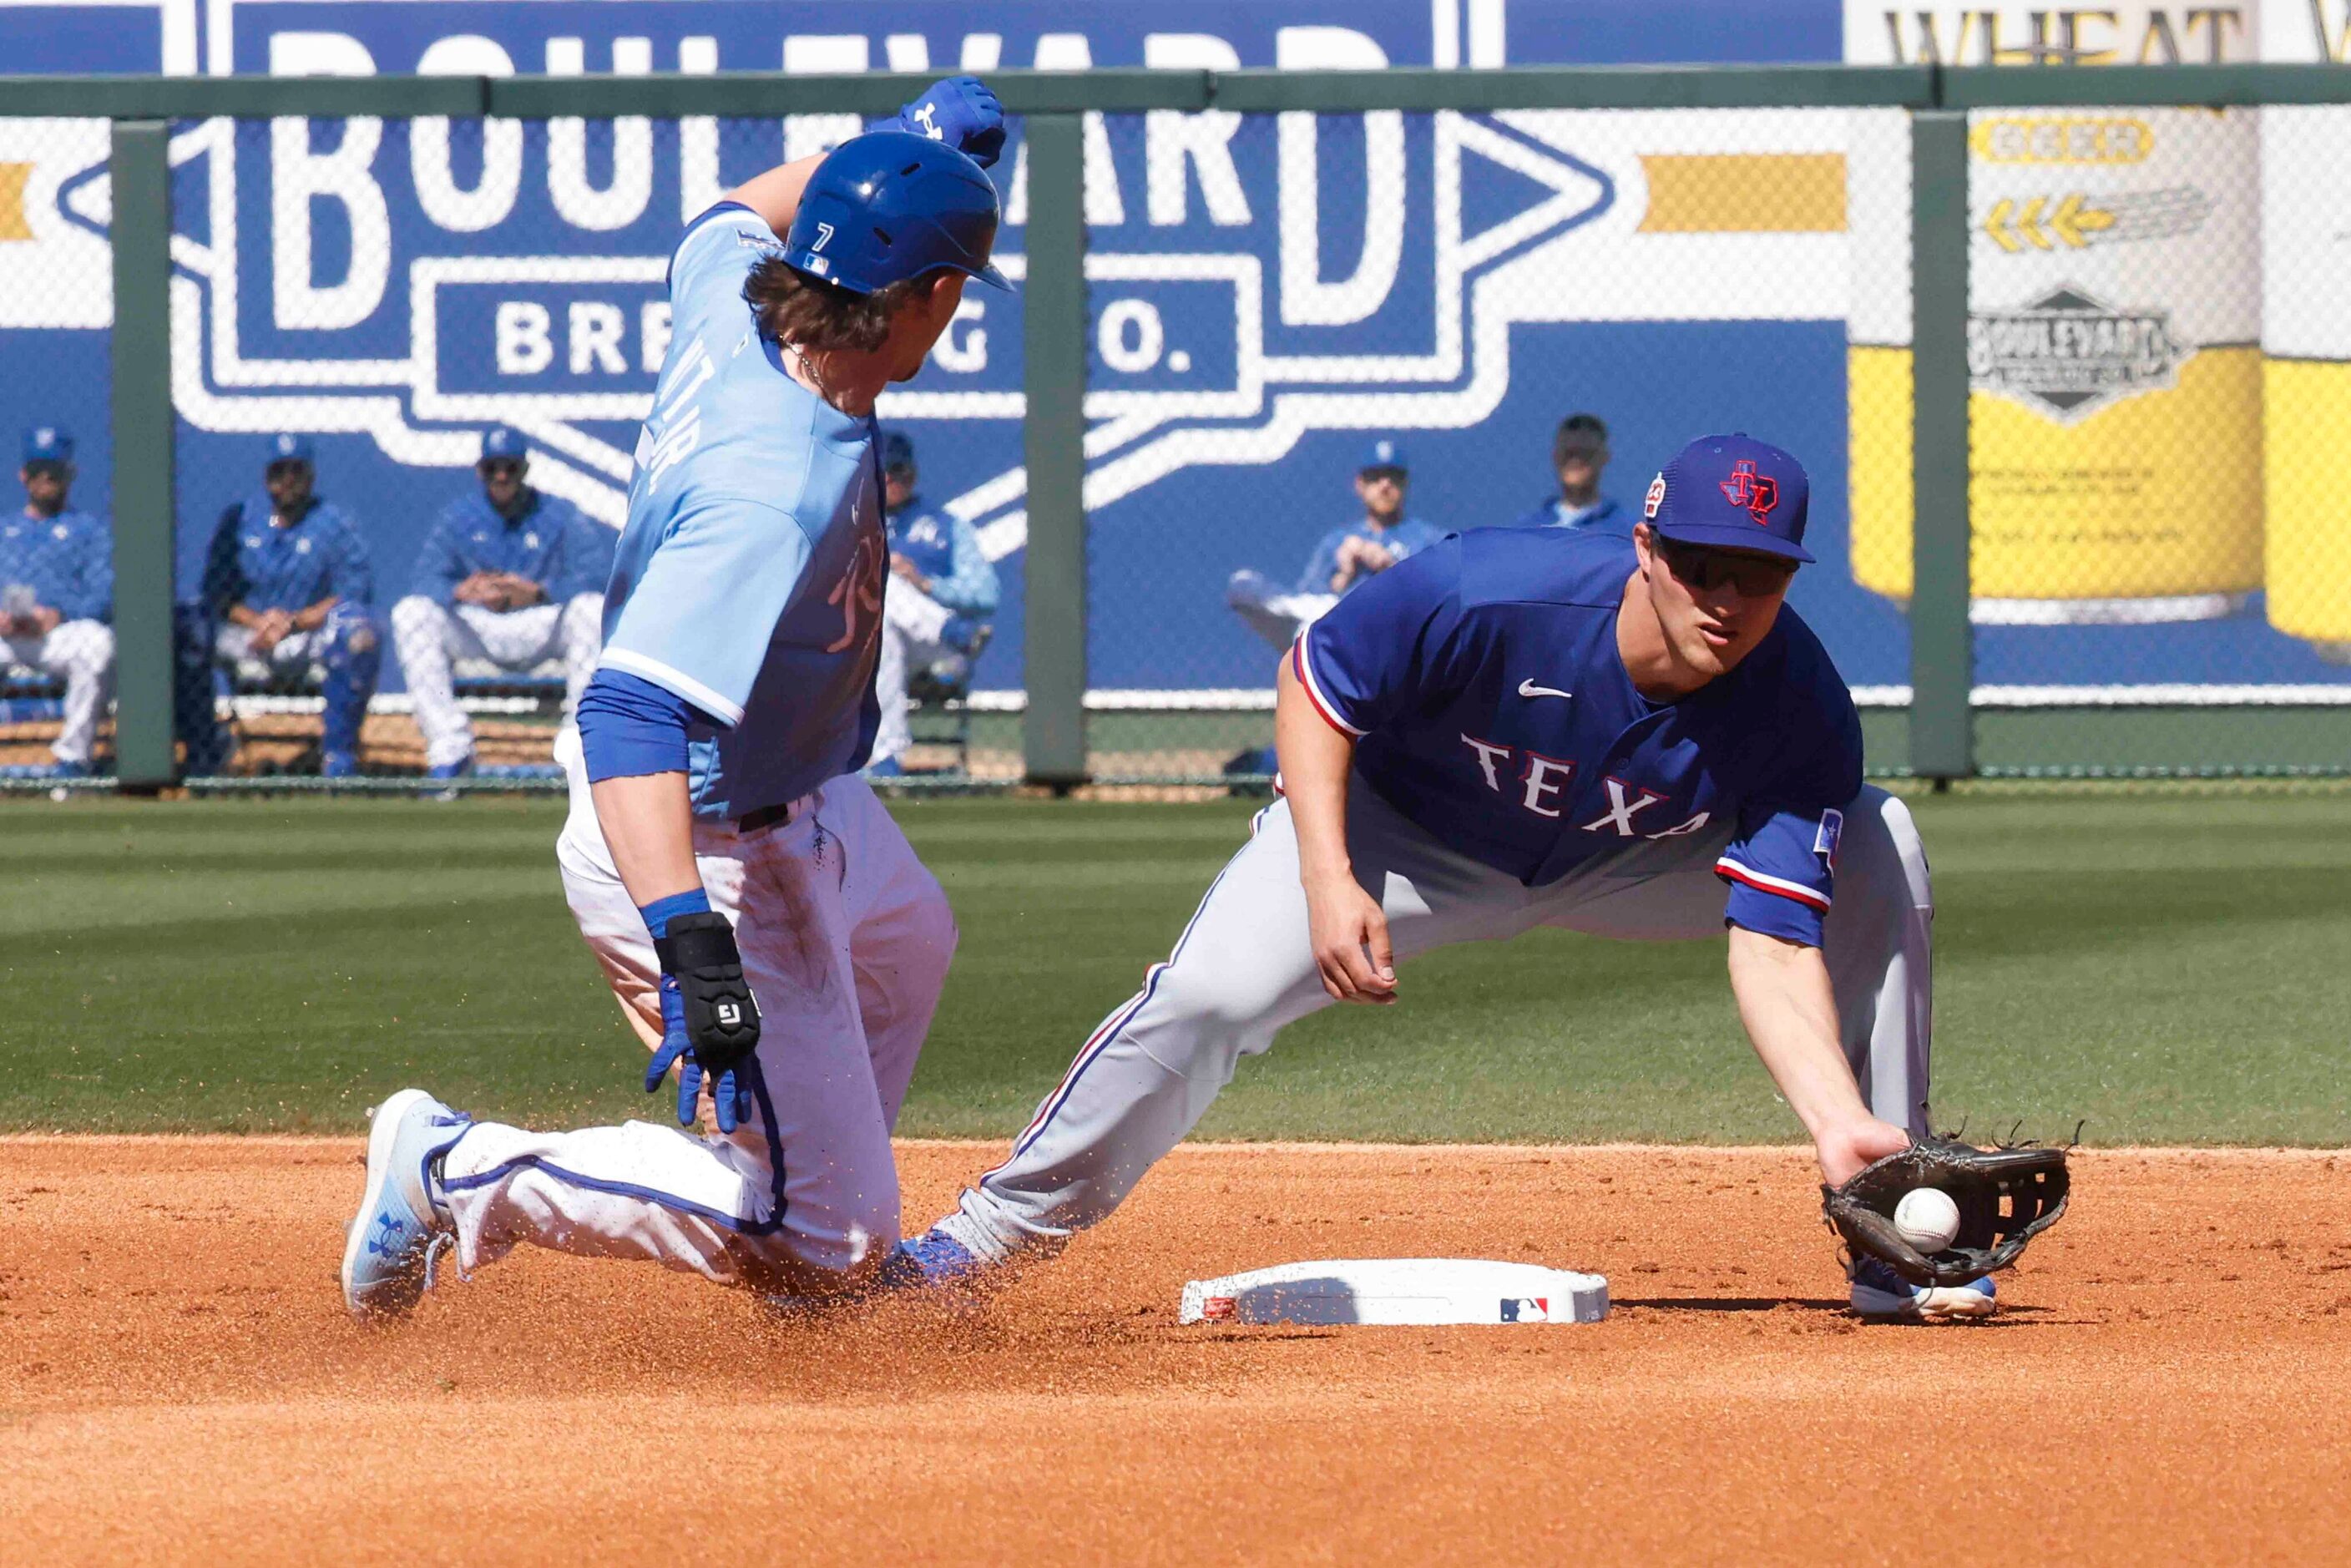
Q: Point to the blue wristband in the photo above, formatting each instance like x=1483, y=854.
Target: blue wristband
x=662, y=911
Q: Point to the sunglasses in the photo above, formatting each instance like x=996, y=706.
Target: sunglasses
x=502, y=469
x=1755, y=576
x=1380, y=475
x=43, y=468
x=287, y=467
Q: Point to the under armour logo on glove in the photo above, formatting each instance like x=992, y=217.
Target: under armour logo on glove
x=962, y=113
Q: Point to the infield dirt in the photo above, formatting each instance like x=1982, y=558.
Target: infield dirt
x=2171, y=1379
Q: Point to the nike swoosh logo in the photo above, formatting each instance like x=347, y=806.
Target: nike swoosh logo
x=1526, y=688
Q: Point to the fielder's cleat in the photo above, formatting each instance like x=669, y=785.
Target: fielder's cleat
x=401, y=1224
x=931, y=1260
x=1879, y=1293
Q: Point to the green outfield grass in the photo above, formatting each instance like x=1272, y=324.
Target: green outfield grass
x=2175, y=967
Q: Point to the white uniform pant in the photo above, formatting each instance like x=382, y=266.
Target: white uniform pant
x=1244, y=969
x=1273, y=614
x=845, y=940
x=912, y=622
x=82, y=653
x=431, y=639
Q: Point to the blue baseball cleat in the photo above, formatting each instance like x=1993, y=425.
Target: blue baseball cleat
x=1879, y=1293
x=931, y=1258
x=401, y=1224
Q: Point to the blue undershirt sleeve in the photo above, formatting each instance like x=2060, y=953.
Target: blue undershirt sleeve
x=630, y=727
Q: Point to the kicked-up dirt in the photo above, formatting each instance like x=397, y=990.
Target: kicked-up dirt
x=2170, y=1379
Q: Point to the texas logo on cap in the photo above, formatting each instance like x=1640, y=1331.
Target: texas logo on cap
x=1732, y=492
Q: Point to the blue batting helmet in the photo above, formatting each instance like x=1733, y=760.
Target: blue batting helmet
x=890, y=206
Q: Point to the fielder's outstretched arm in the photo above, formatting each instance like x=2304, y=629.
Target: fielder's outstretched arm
x=1788, y=1007
x=1346, y=923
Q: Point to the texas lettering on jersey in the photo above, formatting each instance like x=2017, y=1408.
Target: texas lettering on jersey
x=1426, y=666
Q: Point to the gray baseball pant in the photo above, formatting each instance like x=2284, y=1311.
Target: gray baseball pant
x=1244, y=968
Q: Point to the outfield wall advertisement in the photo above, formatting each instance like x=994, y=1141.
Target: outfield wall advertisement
x=1268, y=294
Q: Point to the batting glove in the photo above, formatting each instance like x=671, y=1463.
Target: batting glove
x=710, y=1025
x=962, y=113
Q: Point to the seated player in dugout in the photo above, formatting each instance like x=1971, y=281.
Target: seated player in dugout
x=936, y=610
x=1518, y=727
x=57, y=598
x=1348, y=555
x=1579, y=455
x=509, y=576
x=289, y=595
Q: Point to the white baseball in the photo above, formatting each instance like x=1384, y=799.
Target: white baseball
x=1926, y=1218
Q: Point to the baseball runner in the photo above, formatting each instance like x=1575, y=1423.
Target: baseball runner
x=288, y=591
x=510, y=576
x=942, y=592
x=57, y=596
x=1538, y=726
x=765, y=924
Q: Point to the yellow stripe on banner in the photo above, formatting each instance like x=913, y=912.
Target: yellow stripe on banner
x=2309, y=542
x=1744, y=193
x=13, y=225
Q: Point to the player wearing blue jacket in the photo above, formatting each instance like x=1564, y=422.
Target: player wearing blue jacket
x=1350, y=554
x=57, y=596
x=1525, y=727
x=289, y=591
x=509, y=576
x=941, y=595
x=763, y=922
x=1578, y=454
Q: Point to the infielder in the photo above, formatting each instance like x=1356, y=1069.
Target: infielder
x=57, y=596
x=943, y=589
x=763, y=921
x=1348, y=555
x=289, y=590
x=510, y=575
x=1524, y=728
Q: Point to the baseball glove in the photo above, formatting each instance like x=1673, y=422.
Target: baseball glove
x=2006, y=1196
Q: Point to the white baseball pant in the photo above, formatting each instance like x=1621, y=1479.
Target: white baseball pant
x=846, y=940
x=1244, y=969
x=430, y=640
x=1271, y=612
x=82, y=653
x=911, y=621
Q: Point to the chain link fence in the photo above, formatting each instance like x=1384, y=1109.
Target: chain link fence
x=1426, y=323
x=1315, y=341
x=56, y=591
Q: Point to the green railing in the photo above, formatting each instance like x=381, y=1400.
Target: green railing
x=1941, y=725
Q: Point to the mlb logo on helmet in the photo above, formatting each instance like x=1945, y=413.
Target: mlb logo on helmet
x=1733, y=492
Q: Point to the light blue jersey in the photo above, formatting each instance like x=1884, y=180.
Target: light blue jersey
x=748, y=580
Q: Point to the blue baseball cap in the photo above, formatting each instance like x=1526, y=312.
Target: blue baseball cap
x=890, y=206
x=897, y=451
x=1383, y=454
x=504, y=441
x=1732, y=492
x=47, y=443
x=289, y=447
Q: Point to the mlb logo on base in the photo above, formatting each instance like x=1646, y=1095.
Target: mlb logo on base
x=1526, y=1309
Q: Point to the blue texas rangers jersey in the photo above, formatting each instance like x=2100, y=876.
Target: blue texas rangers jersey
x=66, y=561
x=262, y=566
x=946, y=550
x=549, y=544
x=1409, y=536
x=748, y=579
x=1493, y=709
